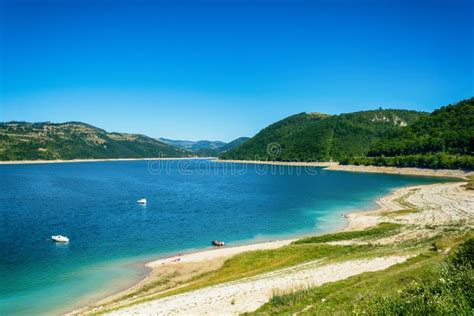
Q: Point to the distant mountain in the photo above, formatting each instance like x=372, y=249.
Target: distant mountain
x=193, y=145
x=76, y=140
x=177, y=143
x=233, y=144
x=321, y=137
x=208, y=152
x=205, y=148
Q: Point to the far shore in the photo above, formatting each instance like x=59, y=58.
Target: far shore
x=283, y=163
x=327, y=165
x=25, y=162
x=330, y=165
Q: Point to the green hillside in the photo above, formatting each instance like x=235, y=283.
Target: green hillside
x=444, y=139
x=75, y=140
x=449, y=129
x=320, y=137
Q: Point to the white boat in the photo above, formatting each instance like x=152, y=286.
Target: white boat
x=60, y=238
x=142, y=201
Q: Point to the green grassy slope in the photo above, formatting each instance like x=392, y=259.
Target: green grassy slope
x=428, y=284
x=75, y=140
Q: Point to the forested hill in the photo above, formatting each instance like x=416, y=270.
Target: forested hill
x=449, y=129
x=320, y=137
x=444, y=139
x=75, y=140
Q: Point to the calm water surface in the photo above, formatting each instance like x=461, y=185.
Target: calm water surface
x=189, y=204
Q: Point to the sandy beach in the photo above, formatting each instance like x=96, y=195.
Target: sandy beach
x=436, y=205
x=218, y=253
x=405, y=171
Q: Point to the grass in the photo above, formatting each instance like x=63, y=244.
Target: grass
x=403, y=200
x=402, y=212
x=344, y=296
x=447, y=291
x=430, y=283
x=445, y=244
x=152, y=285
x=381, y=230
x=470, y=183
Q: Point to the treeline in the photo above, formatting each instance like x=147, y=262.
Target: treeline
x=444, y=139
x=449, y=129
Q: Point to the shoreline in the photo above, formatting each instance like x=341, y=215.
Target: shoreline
x=193, y=256
x=335, y=166
x=207, y=255
x=32, y=162
x=355, y=220
x=444, y=173
x=328, y=165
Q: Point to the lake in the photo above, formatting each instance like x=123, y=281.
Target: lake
x=190, y=203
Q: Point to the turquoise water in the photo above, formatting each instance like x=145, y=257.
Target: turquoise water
x=190, y=203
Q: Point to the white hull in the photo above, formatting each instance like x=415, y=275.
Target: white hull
x=60, y=238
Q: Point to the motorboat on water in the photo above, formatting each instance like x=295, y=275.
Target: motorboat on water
x=142, y=201
x=60, y=238
x=217, y=243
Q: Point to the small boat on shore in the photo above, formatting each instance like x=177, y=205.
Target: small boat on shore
x=217, y=243
x=142, y=201
x=60, y=238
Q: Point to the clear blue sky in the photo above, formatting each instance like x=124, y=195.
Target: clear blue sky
x=224, y=69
